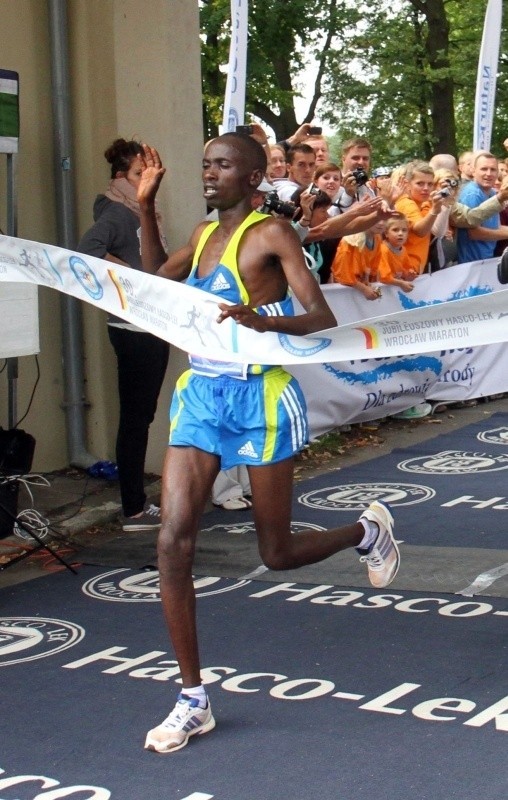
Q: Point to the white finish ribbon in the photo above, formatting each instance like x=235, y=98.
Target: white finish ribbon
x=187, y=317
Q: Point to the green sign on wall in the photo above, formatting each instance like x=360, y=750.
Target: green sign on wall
x=9, y=111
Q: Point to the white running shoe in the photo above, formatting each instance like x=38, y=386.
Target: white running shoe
x=186, y=719
x=235, y=504
x=383, y=558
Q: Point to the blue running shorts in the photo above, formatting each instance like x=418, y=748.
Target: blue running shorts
x=260, y=420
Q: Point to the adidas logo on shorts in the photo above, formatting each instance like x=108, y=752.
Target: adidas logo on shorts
x=248, y=450
x=220, y=283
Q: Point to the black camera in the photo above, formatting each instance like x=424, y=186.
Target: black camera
x=502, y=268
x=246, y=129
x=273, y=203
x=444, y=192
x=361, y=176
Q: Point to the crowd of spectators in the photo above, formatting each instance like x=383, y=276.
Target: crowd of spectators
x=364, y=227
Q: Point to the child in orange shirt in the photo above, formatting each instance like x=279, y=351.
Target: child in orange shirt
x=356, y=259
x=395, y=265
x=421, y=204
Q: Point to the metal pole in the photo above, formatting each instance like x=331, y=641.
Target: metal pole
x=71, y=309
x=12, y=195
x=12, y=230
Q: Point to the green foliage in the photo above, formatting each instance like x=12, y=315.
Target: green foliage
x=401, y=73
x=283, y=36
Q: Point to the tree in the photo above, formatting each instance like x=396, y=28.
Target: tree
x=408, y=83
x=403, y=73
x=440, y=137
x=282, y=34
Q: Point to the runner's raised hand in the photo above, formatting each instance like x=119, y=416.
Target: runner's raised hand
x=151, y=176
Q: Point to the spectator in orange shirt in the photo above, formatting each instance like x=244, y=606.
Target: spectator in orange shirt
x=356, y=260
x=394, y=265
x=420, y=205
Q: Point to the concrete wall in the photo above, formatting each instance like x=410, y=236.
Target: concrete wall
x=134, y=72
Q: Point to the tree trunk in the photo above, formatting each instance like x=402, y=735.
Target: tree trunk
x=441, y=87
x=215, y=83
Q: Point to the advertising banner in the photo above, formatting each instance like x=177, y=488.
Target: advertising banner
x=234, y=100
x=487, y=76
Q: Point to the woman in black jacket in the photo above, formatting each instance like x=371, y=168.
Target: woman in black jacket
x=141, y=357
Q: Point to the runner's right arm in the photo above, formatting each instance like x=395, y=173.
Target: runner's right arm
x=154, y=258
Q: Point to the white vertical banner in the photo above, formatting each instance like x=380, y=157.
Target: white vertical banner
x=234, y=100
x=487, y=76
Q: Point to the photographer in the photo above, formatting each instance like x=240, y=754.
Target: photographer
x=311, y=209
x=443, y=249
x=312, y=135
x=356, y=155
x=421, y=205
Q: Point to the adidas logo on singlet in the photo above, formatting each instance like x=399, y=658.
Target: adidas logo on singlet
x=220, y=283
x=248, y=450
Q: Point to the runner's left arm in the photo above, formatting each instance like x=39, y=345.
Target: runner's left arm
x=280, y=240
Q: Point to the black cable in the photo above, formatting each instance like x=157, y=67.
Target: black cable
x=80, y=506
x=32, y=395
x=57, y=534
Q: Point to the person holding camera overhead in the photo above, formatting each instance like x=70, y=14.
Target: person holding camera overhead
x=310, y=134
x=320, y=146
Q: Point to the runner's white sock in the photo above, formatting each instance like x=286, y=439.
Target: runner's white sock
x=371, y=533
x=198, y=693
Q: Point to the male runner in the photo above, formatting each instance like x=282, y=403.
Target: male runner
x=223, y=415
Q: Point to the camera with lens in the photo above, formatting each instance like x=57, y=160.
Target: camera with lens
x=502, y=268
x=273, y=203
x=451, y=183
x=313, y=189
x=361, y=176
